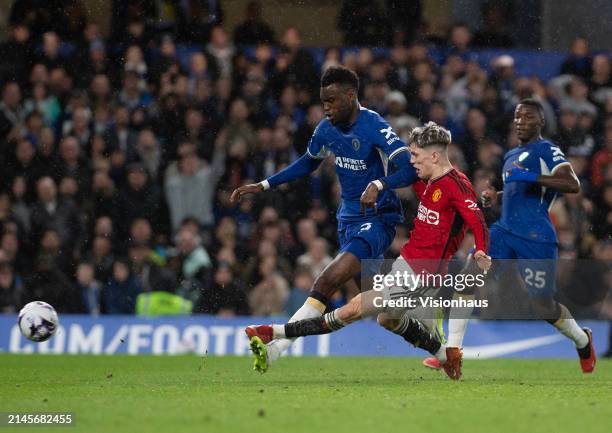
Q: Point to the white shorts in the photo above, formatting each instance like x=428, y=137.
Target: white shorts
x=406, y=296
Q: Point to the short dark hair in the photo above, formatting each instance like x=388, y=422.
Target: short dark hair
x=530, y=102
x=340, y=75
x=431, y=134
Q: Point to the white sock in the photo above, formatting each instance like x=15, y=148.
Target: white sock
x=276, y=347
x=458, y=319
x=567, y=326
x=456, y=331
x=278, y=331
x=441, y=354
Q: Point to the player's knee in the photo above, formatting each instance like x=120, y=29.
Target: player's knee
x=545, y=308
x=386, y=321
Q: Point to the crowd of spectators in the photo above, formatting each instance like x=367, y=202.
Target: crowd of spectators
x=118, y=158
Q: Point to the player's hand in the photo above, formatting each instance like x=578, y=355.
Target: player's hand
x=482, y=260
x=488, y=197
x=368, y=198
x=520, y=174
x=252, y=188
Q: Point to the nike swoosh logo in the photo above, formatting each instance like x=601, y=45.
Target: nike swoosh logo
x=500, y=349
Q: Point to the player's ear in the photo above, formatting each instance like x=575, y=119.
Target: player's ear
x=435, y=156
x=351, y=93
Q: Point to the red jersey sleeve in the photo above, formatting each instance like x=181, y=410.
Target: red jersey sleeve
x=464, y=201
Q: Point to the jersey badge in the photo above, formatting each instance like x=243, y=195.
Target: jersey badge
x=437, y=195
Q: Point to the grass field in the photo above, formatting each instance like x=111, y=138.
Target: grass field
x=189, y=393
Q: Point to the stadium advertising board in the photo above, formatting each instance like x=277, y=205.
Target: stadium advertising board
x=205, y=335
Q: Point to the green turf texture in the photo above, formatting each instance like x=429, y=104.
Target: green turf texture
x=115, y=394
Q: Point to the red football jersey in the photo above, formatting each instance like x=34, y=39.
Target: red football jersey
x=447, y=208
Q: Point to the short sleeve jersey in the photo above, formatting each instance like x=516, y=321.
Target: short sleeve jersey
x=525, y=205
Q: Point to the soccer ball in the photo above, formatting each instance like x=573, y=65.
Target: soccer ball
x=38, y=321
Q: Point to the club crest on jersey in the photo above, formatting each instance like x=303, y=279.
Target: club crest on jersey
x=437, y=195
x=523, y=156
x=356, y=144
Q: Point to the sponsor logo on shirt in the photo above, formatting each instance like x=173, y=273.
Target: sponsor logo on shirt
x=557, y=154
x=471, y=204
x=351, y=164
x=427, y=215
x=390, y=135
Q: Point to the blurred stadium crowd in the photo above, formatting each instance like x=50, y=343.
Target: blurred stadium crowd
x=119, y=157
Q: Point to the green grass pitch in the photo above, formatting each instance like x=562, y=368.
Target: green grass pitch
x=222, y=394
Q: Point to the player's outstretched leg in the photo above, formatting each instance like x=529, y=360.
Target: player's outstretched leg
x=344, y=267
x=361, y=305
x=358, y=307
x=566, y=325
x=261, y=334
x=330, y=322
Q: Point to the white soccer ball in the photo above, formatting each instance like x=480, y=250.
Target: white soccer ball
x=38, y=321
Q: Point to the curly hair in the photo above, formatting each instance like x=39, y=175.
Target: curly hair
x=340, y=75
x=431, y=134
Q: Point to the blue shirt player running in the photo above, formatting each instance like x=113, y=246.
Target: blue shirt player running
x=534, y=173
x=363, y=144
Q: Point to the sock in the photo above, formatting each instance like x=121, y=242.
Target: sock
x=568, y=327
x=311, y=308
x=315, y=326
x=278, y=332
x=417, y=334
x=458, y=321
x=441, y=354
x=456, y=331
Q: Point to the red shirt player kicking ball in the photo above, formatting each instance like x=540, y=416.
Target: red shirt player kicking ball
x=447, y=208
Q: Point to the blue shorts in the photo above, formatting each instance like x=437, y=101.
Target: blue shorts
x=366, y=240
x=536, y=261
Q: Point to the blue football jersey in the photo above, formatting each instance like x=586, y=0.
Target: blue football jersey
x=361, y=153
x=525, y=205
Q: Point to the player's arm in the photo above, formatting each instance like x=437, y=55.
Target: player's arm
x=404, y=173
x=301, y=167
x=562, y=177
x=465, y=204
x=304, y=165
x=388, y=142
x=490, y=199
